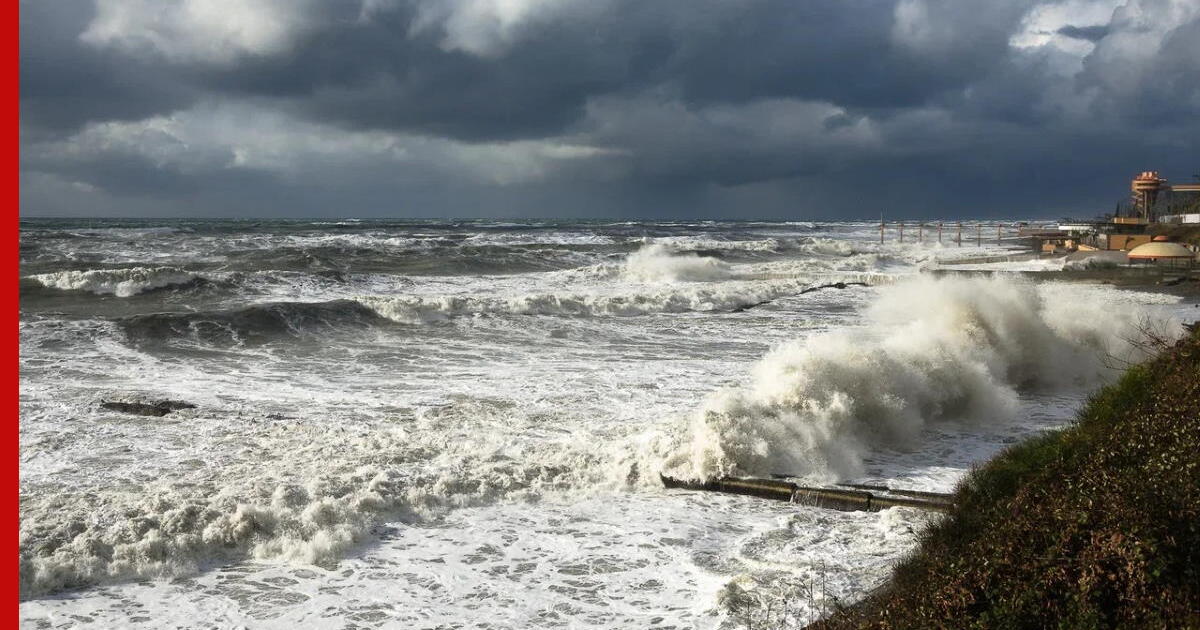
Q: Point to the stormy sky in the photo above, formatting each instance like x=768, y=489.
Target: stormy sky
x=603, y=108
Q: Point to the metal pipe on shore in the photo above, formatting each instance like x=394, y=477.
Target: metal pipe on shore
x=829, y=498
x=920, y=494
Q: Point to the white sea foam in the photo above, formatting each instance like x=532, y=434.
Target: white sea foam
x=506, y=461
x=692, y=243
x=659, y=263
x=131, y=232
x=1104, y=260
x=311, y=495
x=619, y=302
x=307, y=493
x=662, y=263
x=420, y=309
x=120, y=282
x=364, y=240
x=933, y=350
x=833, y=247
x=539, y=238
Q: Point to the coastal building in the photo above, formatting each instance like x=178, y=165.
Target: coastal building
x=1148, y=188
x=1153, y=204
x=1190, y=218
x=1125, y=242
x=1162, y=252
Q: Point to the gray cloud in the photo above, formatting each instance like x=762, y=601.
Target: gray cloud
x=1088, y=33
x=601, y=107
x=65, y=83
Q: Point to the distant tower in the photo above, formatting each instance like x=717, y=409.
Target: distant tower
x=1146, y=187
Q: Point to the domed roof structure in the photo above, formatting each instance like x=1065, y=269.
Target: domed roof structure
x=1159, y=250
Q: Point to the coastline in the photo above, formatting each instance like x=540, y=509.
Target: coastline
x=1092, y=526
x=283, y=423
x=1134, y=279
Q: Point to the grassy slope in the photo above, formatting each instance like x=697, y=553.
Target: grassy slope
x=1095, y=526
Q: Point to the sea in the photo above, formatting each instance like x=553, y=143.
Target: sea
x=465, y=424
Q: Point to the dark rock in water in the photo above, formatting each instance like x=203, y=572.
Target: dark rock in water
x=158, y=408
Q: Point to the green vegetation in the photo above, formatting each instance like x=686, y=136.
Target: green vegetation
x=1177, y=232
x=1094, y=526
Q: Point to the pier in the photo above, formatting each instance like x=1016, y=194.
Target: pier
x=952, y=232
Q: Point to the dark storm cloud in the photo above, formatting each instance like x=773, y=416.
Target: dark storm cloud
x=1087, y=33
x=618, y=107
x=379, y=74
x=65, y=83
x=853, y=53
x=1161, y=93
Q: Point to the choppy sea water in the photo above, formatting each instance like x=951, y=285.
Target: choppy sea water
x=462, y=424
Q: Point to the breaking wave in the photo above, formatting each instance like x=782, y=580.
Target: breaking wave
x=664, y=263
x=658, y=263
x=250, y=325
x=700, y=298
x=433, y=260
x=1096, y=262
x=261, y=323
x=932, y=350
x=119, y=282
x=264, y=322
x=310, y=497
x=832, y=247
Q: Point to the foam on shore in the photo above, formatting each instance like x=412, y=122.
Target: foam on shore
x=932, y=350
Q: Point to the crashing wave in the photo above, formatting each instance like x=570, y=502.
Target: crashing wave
x=249, y=325
x=703, y=244
x=832, y=247
x=932, y=350
x=1095, y=262
x=259, y=323
x=310, y=498
x=119, y=282
x=659, y=263
x=424, y=309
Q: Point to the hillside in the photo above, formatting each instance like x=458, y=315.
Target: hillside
x=1094, y=526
